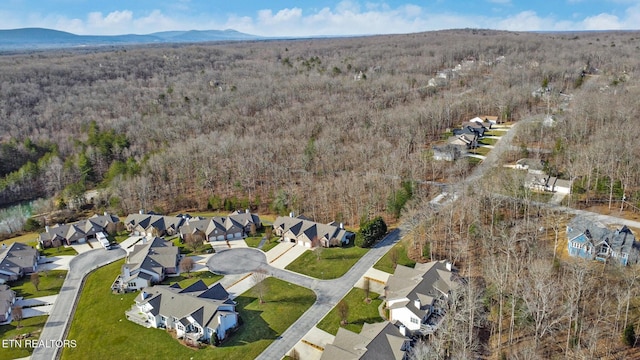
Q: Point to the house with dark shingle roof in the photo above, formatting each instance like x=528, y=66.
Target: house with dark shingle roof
x=413, y=295
x=17, y=260
x=147, y=264
x=7, y=299
x=77, y=232
x=382, y=341
x=590, y=240
x=196, y=313
x=308, y=233
x=153, y=224
x=236, y=225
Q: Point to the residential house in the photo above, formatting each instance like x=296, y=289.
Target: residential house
x=7, y=299
x=590, y=240
x=77, y=232
x=548, y=183
x=534, y=166
x=448, y=152
x=196, y=313
x=307, y=233
x=414, y=295
x=236, y=225
x=375, y=341
x=152, y=224
x=147, y=264
x=17, y=260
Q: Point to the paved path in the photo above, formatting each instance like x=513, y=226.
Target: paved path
x=57, y=324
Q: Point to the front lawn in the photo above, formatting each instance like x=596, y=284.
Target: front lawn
x=59, y=251
x=386, y=264
x=333, y=263
x=10, y=331
x=359, y=313
x=50, y=284
x=185, y=280
x=102, y=331
x=30, y=239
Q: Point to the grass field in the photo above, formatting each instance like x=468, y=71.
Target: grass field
x=29, y=239
x=359, y=312
x=50, y=284
x=333, y=263
x=102, y=331
x=31, y=326
x=185, y=280
x=385, y=264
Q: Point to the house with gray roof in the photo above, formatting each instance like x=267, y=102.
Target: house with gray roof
x=153, y=224
x=307, y=233
x=413, y=295
x=77, y=232
x=593, y=241
x=236, y=225
x=383, y=341
x=7, y=299
x=148, y=263
x=17, y=260
x=197, y=313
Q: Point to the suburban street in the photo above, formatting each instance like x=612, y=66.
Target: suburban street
x=56, y=326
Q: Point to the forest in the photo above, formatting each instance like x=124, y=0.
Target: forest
x=342, y=129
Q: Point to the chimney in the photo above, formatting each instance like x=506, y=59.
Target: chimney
x=449, y=266
x=246, y=211
x=291, y=214
x=141, y=212
x=106, y=213
x=46, y=228
x=341, y=226
x=403, y=330
x=127, y=273
x=416, y=303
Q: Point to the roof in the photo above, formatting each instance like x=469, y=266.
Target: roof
x=153, y=255
x=17, y=256
x=158, y=222
x=234, y=222
x=192, y=304
x=426, y=282
x=583, y=230
x=301, y=227
x=380, y=341
x=78, y=229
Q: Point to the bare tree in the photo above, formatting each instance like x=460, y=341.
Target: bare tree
x=16, y=314
x=394, y=254
x=259, y=284
x=367, y=290
x=35, y=280
x=187, y=264
x=343, y=312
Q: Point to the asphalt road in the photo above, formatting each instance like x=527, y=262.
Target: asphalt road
x=55, y=329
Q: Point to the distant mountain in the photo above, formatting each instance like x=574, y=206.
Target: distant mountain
x=38, y=38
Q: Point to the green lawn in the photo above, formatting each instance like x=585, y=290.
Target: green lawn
x=59, y=251
x=385, y=264
x=30, y=239
x=254, y=241
x=359, y=313
x=102, y=331
x=202, y=249
x=50, y=284
x=486, y=141
x=496, y=132
x=32, y=325
x=333, y=263
x=207, y=276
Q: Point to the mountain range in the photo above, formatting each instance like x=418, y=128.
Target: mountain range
x=39, y=38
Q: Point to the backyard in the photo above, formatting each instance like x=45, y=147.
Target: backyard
x=360, y=312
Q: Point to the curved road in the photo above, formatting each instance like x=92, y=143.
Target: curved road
x=328, y=292
x=56, y=327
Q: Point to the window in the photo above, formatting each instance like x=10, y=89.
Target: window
x=415, y=321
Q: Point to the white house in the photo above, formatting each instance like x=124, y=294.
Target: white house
x=412, y=294
x=196, y=313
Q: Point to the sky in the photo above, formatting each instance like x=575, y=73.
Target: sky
x=317, y=18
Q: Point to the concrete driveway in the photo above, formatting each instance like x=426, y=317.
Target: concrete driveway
x=55, y=263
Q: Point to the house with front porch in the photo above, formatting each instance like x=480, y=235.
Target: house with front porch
x=196, y=313
x=16, y=260
x=142, y=224
x=414, y=295
x=590, y=240
x=236, y=225
x=77, y=232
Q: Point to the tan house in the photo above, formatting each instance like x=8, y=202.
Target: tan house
x=307, y=233
x=236, y=225
x=77, y=232
x=147, y=264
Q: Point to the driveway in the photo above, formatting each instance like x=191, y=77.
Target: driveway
x=57, y=324
x=55, y=262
